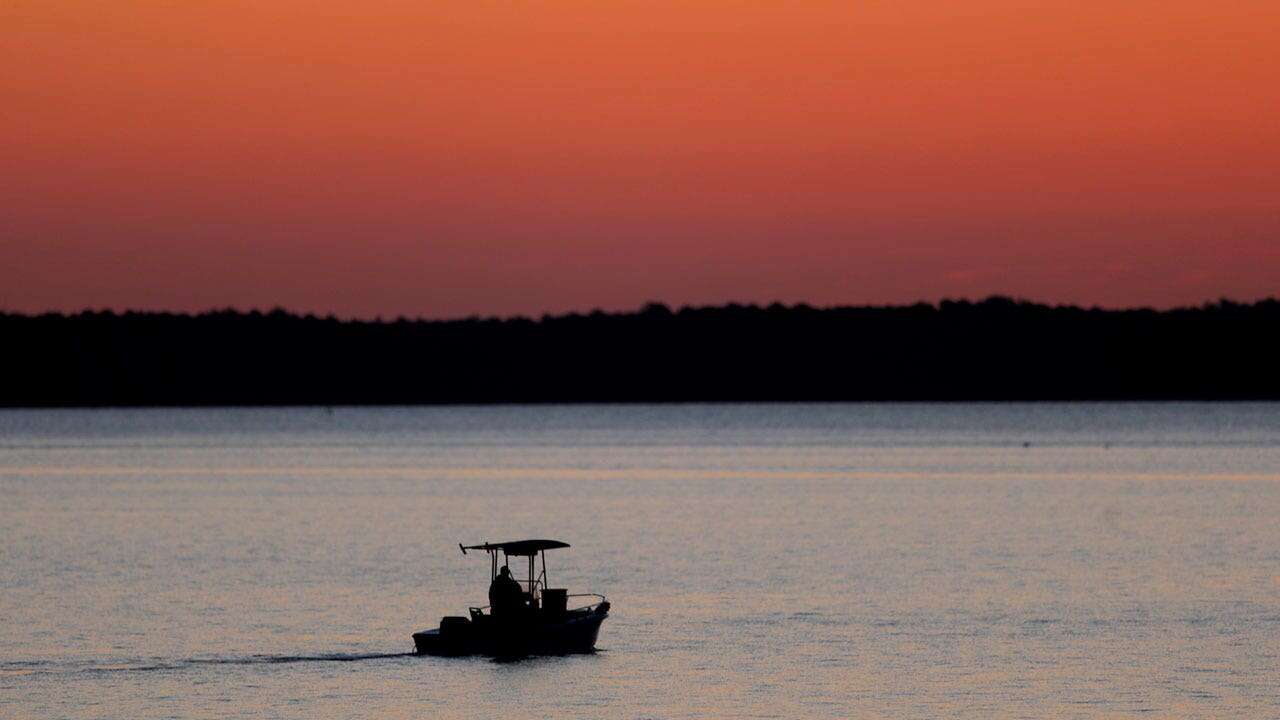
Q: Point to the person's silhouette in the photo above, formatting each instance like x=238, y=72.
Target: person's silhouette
x=505, y=594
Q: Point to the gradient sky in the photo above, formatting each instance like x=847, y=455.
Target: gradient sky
x=438, y=158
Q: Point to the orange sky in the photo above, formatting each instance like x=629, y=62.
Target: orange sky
x=389, y=157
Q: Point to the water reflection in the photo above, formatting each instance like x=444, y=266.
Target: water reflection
x=768, y=561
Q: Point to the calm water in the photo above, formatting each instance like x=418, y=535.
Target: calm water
x=895, y=561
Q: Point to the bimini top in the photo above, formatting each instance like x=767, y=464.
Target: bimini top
x=520, y=548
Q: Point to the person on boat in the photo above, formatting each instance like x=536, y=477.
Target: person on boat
x=505, y=594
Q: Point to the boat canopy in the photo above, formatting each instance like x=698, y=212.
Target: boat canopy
x=517, y=548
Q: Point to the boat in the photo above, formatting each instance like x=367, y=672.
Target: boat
x=539, y=622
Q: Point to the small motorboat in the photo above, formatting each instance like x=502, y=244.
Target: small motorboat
x=539, y=622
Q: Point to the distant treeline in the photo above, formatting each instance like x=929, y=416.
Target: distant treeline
x=997, y=349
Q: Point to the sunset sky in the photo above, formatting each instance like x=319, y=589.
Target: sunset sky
x=438, y=159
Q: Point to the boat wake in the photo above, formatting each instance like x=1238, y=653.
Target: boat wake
x=13, y=668
x=276, y=659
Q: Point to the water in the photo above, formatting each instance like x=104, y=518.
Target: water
x=877, y=561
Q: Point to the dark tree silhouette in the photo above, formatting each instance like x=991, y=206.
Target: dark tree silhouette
x=997, y=349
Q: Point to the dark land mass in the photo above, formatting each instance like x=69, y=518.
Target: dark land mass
x=997, y=349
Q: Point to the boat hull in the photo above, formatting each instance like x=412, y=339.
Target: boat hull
x=575, y=632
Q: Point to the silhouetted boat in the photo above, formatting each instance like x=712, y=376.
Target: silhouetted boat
x=542, y=624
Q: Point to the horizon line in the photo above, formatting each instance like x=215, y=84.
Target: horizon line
x=656, y=306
